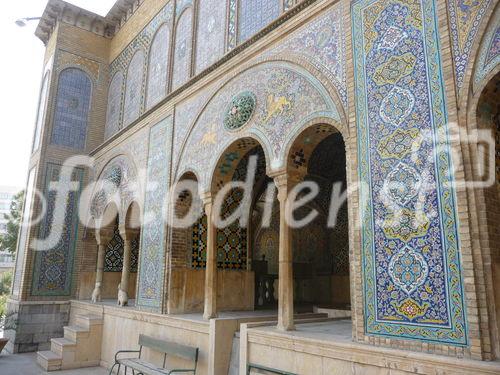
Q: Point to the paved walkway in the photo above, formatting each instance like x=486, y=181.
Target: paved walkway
x=25, y=364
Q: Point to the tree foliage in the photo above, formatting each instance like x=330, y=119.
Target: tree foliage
x=8, y=241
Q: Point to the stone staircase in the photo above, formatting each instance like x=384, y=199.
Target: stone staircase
x=80, y=346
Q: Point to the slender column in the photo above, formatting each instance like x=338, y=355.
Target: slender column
x=127, y=236
x=102, y=243
x=285, y=290
x=211, y=268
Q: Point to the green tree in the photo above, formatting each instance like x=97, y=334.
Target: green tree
x=8, y=241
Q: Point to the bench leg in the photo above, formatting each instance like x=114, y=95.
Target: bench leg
x=112, y=367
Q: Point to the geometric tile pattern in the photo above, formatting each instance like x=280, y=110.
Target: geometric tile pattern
x=210, y=33
x=150, y=291
x=410, y=246
x=52, y=275
x=183, y=48
x=72, y=109
x=199, y=244
x=322, y=43
x=122, y=62
x=42, y=104
x=23, y=233
x=158, y=67
x=465, y=19
x=134, y=88
x=113, y=261
x=489, y=52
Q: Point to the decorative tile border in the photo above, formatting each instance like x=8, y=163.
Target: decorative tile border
x=152, y=254
x=489, y=53
x=415, y=224
x=465, y=19
x=52, y=275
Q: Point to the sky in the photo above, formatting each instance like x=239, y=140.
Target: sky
x=20, y=76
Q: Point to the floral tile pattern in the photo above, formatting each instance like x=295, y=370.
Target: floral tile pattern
x=410, y=245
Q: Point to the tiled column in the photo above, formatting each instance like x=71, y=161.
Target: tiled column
x=103, y=239
x=285, y=290
x=211, y=269
x=127, y=236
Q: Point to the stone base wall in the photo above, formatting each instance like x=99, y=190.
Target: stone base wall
x=311, y=353
x=30, y=325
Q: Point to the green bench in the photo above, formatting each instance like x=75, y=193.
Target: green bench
x=251, y=367
x=142, y=367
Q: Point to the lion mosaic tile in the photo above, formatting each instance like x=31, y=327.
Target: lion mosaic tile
x=286, y=97
x=410, y=247
x=152, y=255
x=74, y=95
x=53, y=269
x=465, y=19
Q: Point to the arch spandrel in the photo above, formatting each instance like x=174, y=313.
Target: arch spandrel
x=286, y=98
x=122, y=173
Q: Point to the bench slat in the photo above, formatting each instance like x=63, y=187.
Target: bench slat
x=143, y=367
x=162, y=346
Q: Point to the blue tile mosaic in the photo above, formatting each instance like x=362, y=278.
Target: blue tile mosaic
x=72, y=109
x=410, y=246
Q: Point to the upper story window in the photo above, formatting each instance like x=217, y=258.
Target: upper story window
x=253, y=15
x=210, y=33
x=114, y=105
x=42, y=104
x=158, y=67
x=183, y=47
x=133, y=91
x=72, y=109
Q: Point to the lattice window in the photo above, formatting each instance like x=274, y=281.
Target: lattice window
x=42, y=104
x=199, y=244
x=134, y=87
x=72, y=109
x=253, y=15
x=114, y=105
x=183, y=47
x=158, y=67
x=113, y=261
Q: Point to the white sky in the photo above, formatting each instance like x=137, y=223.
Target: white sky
x=20, y=76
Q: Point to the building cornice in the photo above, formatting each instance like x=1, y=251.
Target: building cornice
x=59, y=10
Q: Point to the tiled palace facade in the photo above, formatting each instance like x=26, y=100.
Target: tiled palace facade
x=385, y=98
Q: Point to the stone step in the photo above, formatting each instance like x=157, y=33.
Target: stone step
x=61, y=345
x=49, y=361
x=87, y=321
x=73, y=333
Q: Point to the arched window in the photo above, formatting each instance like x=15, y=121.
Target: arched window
x=135, y=78
x=72, y=109
x=42, y=104
x=114, y=105
x=253, y=15
x=158, y=67
x=210, y=33
x=183, y=46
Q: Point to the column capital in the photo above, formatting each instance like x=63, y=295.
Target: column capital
x=127, y=233
x=103, y=236
x=206, y=198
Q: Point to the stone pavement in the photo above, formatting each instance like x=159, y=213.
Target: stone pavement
x=25, y=364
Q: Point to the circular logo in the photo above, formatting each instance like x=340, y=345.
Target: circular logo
x=240, y=110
